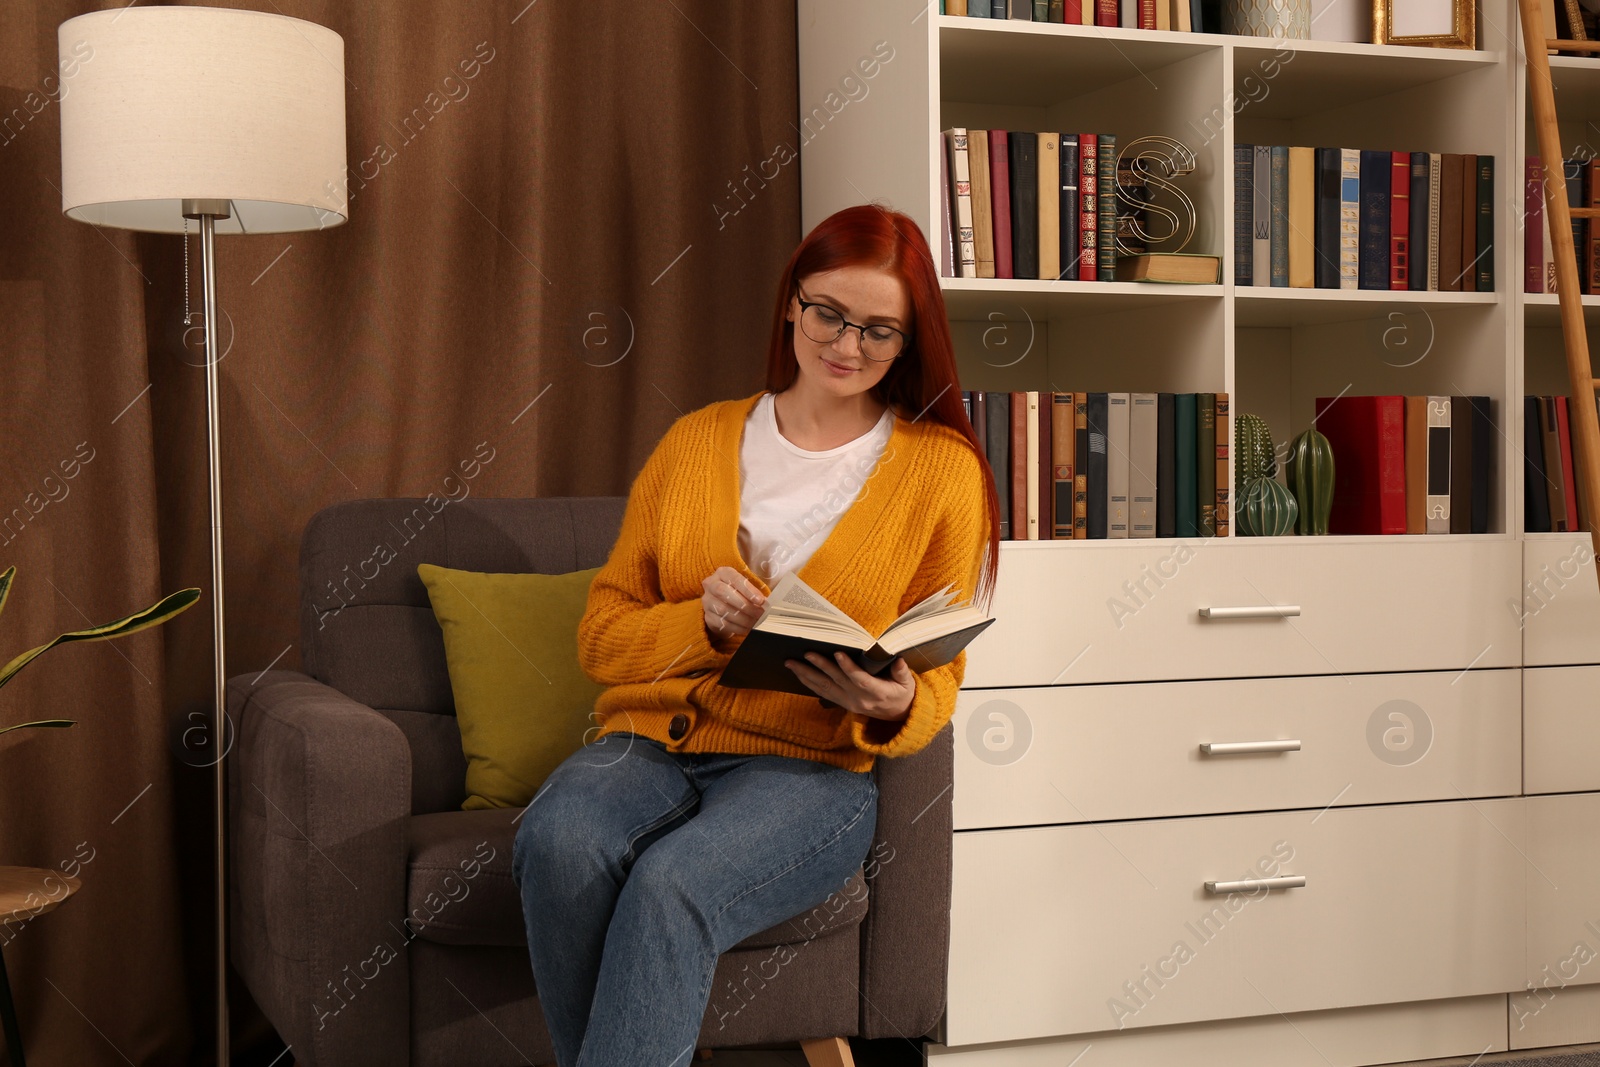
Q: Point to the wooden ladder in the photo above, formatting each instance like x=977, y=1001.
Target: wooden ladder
x=1584, y=424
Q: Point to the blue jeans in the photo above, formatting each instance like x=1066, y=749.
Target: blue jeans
x=639, y=866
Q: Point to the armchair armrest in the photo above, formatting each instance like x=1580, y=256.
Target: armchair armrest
x=905, y=939
x=320, y=795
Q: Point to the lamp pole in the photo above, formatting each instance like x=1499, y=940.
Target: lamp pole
x=208, y=211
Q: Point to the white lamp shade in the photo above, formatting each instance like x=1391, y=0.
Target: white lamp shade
x=163, y=104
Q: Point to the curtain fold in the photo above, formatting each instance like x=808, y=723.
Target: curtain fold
x=535, y=269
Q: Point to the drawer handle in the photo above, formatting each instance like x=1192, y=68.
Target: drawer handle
x=1248, y=885
x=1254, y=611
x=1234, y=748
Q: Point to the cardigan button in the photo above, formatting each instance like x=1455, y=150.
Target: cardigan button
x=678, y=726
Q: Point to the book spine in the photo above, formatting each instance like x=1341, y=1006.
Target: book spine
x=1460, y=465
x=1485, y=217
x=1224, y=469
x=956, y=7
x=1117, y=501
x=1044, y=470
x=1439, y=431
x=1141, y=465
x=1147, y=14
x=1261, y=214
x=1243, y=202
x=998, y=413
x=1205, y=471
x=1166, y=464
x=1400, y=220
x=1349, y=218
x=1469, y=223
x=1024, y=204
x=1568, y=485
x=961, y=195
x=1185, y=513
x=1326, y=239
x=1555, y=492
x=1062, y=440
x=1450, y=193
x=1071, y=249
x=1020, y=474
x=1435, y=162
x=1302, y=218
x=1572, y=169
x=1080, y=471
x=997, y=10
x=1071, y=12
x=1391, y=442
x=1021, y=9
x=1375, y=219
x=1041, y=10
x=1049, y=196
x=1279, y=194
x=1535, y=504
x=982, y=202
x=1416, y=445
x=1000, y=191
x=947, y=258
x=1031, y=463
x=1130, y=14
x=1417, y=276
x=1482, y=444
x=1089, y=207
x=1105, y=13
x=1107, y=148
x=1096, y=489
x=1592, y=249
x=978, y=8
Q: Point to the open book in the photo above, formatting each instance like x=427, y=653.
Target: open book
x=797, y=619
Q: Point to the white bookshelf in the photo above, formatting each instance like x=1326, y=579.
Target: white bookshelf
x=1049, y=916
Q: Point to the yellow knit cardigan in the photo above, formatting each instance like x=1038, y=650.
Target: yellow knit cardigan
x=916, y=525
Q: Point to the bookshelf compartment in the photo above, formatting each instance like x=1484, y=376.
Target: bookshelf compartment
x=1288, y=79
x=1097, y=753
x=1129, y=610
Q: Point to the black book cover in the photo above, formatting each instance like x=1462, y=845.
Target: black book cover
x=999, y=449
x=758, y=661
x=1071, y=247
x=1418, y=238
x=1327, y=233
x=1024, y=148
x=1376, y=179
x=1095, y=415
x=1481, y=431
x=1166, y=465
x=1244, y=184
x=1535, y=503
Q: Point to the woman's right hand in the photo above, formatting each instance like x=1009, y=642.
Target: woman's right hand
x=732, y=603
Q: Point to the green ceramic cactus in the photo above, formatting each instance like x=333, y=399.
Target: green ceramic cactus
x=1253, y=447
x=1309, y=471
x=1267, y=509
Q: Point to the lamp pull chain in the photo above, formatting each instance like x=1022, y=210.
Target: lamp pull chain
x=186, y=270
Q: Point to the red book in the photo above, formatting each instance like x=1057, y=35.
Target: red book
x=1533, y=227
x=1105, y=13
x=1569, y=487
x=1368, y=436
x=1147, y=14
x=1400, y=221
x=1074, y=12
x=1000, y=189
x=1088, y=207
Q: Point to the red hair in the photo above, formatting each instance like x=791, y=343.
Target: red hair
x=922, y=382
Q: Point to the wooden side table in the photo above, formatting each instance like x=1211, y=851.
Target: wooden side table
x=25, y=894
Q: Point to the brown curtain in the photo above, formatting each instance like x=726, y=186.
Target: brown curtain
x=545, y=263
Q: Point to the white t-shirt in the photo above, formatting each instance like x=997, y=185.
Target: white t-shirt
x=790, y=499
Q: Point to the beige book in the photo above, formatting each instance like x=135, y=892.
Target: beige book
x=1031, y=458
x=982, y=202
x=1302, y=218
x=1180, y=16
x=1163, y=15
x=1049, y=206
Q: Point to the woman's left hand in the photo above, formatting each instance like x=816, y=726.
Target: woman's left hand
x=838, y=681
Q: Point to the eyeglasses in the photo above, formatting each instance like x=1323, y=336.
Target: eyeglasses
x=825, y=325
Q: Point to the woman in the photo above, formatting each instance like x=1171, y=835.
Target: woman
x=703, y=814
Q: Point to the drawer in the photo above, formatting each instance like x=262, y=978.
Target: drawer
x=1088, y=753
x=1560, y=729
x=1559, y=601
x=1073, y=929
x=1103, y=612
x=1563, y=892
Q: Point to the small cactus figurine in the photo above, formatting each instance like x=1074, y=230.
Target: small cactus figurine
x=1268, y=509
x=1253, y=444
x=1309, y=471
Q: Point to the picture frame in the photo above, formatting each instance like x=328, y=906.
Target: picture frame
x=1428, y=23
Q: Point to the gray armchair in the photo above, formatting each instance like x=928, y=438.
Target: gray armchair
x=376, y=923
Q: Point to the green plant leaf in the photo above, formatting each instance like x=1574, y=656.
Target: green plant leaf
x=156, y=614
x=39, y=722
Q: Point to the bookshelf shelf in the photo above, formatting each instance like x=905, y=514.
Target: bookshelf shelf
x=1541, y=309
x=976, y=298
x=991, y=62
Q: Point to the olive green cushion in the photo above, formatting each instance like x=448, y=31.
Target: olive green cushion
x=523, y=703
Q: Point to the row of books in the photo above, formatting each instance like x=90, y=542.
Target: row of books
x=1539, y=262
x=1021, y=204
x=1345, y=218
x=1409, y=464
x=1180, y=15
x=1105, y=465
x=1550, y=468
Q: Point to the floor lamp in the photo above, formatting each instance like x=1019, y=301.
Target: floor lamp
x=234, y=119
